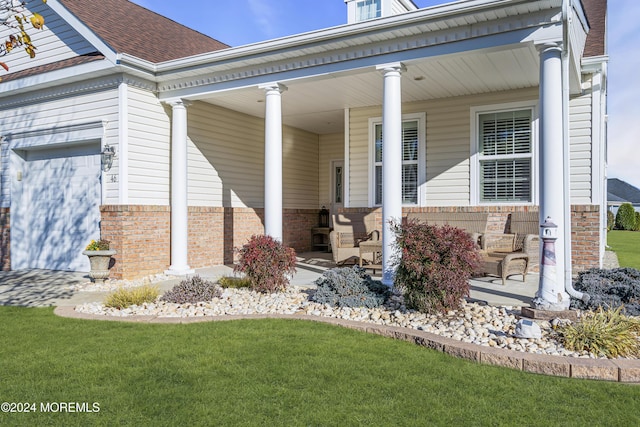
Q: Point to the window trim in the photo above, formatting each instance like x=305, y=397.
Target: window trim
x=474, y=158
x=421, y=118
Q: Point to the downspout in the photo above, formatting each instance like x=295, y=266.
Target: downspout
x=568, y=279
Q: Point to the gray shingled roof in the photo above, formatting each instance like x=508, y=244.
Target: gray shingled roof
x=620, y=191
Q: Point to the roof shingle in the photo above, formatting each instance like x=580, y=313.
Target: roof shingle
x=132, y=29
x=596, y=11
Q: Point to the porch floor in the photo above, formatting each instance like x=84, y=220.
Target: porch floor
x=488, y=289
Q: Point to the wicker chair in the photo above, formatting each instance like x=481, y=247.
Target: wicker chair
x=349, y=229
x=526, y=227
x=474, y=223
x=500, y=257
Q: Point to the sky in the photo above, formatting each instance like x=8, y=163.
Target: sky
x=240, y=22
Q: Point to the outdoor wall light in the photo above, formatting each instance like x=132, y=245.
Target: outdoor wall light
x=107, y=157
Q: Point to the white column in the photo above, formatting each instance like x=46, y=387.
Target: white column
x=179, y=188
x=391, y=164
x=551, y=293
x=273, y=160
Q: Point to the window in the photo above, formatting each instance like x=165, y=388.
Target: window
x=412, y=135
x=505, y=156
x=368, y=9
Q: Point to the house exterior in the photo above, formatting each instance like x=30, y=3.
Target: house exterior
x=619, y=192
x=495, y=106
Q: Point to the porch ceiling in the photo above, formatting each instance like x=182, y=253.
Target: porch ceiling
x=317, y=103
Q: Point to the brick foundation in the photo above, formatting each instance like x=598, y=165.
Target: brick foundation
x=585, y=227
x=5, y=239
x=142, y=236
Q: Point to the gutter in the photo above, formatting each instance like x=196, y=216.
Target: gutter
x=568, y=277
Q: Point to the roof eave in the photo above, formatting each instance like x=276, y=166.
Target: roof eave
x=56, y=78
x=346, y=30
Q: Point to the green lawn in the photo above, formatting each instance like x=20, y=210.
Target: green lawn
x=626, y=245
x=274, y=373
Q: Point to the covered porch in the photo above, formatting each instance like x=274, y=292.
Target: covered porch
x=341, y=96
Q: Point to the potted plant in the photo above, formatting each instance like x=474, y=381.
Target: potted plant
x=99, y=255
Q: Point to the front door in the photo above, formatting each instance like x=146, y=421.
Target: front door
x=337, y=187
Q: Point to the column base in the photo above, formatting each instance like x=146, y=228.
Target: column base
x=179, y=271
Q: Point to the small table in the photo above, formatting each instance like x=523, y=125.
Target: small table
x=503, y=264
x=320, y=238
x=371, y=247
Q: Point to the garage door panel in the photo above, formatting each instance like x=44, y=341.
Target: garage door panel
x=62, y=191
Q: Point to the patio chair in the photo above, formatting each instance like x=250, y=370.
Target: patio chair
x=474, y=223
x=526, y=227
x=349, y=229
x=500, y=257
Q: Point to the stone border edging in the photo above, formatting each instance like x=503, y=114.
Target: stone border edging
x=619, y=370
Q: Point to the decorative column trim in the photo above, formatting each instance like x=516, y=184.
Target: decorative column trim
x=391, y=164
x=179, y=191
x=273, y=160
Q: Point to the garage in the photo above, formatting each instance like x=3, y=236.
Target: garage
x=55, y=206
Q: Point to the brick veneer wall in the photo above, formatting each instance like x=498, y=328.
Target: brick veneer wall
x=585, y=236
x=142, y=235
x=585, y=227
x=5, y=239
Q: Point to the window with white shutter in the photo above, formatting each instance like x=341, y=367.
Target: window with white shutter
x=505, y=156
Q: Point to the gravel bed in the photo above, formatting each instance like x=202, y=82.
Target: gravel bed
x=473, y=323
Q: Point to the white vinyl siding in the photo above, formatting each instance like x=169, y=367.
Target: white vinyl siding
x=448, y=131
x=226, y=157
x=226, y=160
x=331, y=148
x=149, y=149
x=580, y=149
x=55, y=42
x=300, y=169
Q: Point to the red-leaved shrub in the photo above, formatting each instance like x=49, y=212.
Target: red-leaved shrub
x=436, y=265
x=266, y=263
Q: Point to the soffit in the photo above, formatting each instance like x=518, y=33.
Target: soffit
x=317, y=105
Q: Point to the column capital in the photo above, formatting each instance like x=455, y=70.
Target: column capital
x=392, y=66
x=268, y=87
x=179, y=103
x=549, y=47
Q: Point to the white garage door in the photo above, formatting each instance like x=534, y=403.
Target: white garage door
x=57, y=209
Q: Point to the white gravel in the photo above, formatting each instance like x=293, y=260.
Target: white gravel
x=477, y=324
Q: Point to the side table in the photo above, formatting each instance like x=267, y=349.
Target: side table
x=320, y=239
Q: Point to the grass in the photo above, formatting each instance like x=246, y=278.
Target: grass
x=274, y=372
x=626, y=245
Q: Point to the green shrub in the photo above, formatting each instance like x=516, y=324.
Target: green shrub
x=604, y=333
x=349, y=287
x=637, y=227
x=267, y=263
x=234, y=282
x=611, y=220
x=435, y=267
x=125, y=297
x=192, y=290
x=626, y=217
